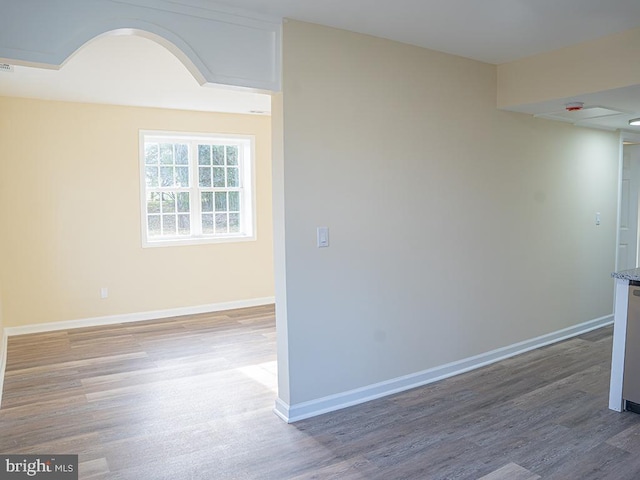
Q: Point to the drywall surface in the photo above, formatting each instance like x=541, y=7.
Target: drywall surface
x=70, y=216
x=589, y=67
x=455, y=228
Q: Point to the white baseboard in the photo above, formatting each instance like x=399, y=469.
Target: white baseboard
x=3, y=360
x=136, y=317
x=312, y=408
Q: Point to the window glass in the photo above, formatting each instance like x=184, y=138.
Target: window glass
x=195, y=188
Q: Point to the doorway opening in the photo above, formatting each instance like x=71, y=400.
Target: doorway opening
x=628, y=247
x=80, y=125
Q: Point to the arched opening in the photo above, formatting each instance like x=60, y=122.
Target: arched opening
x=131, y=67
x=74, y=136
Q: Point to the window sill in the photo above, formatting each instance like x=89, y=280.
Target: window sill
x=181, y=242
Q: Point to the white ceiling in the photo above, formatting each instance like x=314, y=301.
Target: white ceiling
x=623, y=105
x=492, y=31
x=141, y=72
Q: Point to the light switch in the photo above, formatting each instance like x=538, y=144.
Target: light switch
x=323, y=237
x=597, y=218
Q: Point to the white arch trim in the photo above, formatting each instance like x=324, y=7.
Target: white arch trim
x=216, y=46
x=175, y=45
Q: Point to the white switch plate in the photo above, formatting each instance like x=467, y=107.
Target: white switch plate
x=597, y=218
x=104, y=292
x=323, y=237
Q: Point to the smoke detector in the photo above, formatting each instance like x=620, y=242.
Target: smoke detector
x=573, y=106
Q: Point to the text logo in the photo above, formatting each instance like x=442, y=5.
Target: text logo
x=49, y=467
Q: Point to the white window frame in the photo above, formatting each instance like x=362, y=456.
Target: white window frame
x=246, y=163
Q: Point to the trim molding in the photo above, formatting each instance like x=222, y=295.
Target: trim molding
x=312, y=408
x=135, y=317
x=621, y=308
x=3, y=360
x=249, y=43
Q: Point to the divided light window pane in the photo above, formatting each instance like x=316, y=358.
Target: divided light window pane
x=195, y=187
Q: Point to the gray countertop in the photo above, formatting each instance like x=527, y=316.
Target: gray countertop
x=633, y=274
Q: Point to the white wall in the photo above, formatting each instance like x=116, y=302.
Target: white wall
x=455, y=228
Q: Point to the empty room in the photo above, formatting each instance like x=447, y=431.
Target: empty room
x=292, y=240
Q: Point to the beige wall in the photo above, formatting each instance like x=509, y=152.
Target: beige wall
x=455, y=228
x=589, y=67
x=1, y=333
x=70, y=216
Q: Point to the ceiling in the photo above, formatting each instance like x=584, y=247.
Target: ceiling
x=609, y=110
x=492, y=31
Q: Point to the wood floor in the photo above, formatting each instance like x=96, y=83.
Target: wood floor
x=192, y=398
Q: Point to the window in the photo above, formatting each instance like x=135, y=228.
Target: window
x=196, y=188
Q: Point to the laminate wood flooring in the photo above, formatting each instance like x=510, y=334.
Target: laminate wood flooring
x=192, y=398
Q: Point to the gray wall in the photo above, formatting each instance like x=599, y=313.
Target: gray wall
x=456, y=228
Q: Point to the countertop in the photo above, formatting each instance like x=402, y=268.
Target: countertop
x=633, y=274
